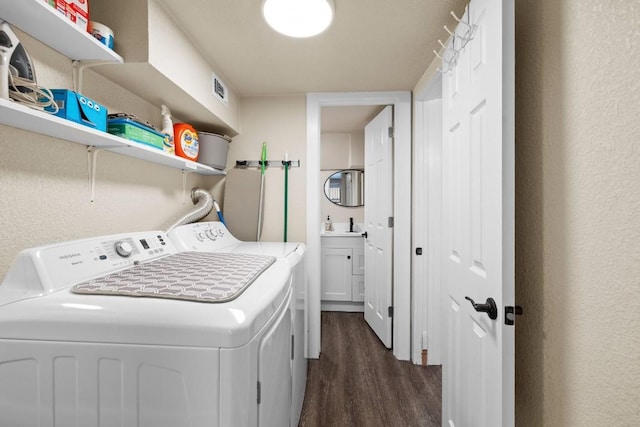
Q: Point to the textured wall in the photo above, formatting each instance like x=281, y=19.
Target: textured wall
x=578, y=212
x=44, y=186
x=281, y=123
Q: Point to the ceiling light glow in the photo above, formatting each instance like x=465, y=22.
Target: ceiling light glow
x=298, y=18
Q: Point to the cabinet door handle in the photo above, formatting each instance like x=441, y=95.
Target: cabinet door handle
x=348, y=256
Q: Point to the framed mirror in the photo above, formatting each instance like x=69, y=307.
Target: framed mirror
x=345, y=188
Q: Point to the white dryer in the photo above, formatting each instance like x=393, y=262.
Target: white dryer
x=214, y=237
x=94, y=359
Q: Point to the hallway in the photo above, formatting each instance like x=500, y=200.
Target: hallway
x=358, y=382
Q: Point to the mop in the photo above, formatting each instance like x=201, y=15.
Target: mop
x=263, y=164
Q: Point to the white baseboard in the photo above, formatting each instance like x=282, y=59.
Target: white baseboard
x=347, y=306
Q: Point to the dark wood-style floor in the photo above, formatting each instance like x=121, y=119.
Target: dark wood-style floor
x=358, y=382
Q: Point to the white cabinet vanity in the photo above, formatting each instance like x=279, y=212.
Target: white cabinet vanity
x=342, y=272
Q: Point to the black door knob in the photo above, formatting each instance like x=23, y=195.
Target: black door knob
x=489, y=307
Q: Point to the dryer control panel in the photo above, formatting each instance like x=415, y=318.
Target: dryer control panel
x=45, y=269
x=203, y=236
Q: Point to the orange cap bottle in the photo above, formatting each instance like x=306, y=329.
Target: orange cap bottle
x=185, y=140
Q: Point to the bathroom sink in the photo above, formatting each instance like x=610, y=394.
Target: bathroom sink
x=342, y=230
x=341, y=234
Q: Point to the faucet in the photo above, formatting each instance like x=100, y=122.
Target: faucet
x=351, y=225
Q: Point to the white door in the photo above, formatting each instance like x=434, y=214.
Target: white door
x=378, y=210
x=478, y=220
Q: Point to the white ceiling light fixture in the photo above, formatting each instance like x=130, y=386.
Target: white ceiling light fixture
x=298, y=18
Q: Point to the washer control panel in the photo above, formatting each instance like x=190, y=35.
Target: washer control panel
x=202, y=236
x=60, y=265
x=123, y=248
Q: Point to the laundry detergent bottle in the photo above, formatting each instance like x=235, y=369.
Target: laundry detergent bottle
x=185, y=140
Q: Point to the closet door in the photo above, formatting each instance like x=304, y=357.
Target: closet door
x=478, y=219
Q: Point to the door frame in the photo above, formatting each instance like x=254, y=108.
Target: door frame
x=401, y=102
x=427, y=221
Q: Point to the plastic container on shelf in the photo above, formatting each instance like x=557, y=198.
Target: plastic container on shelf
x=213, y=149
x=80, y=109
x=129, y=129
x=101, y=32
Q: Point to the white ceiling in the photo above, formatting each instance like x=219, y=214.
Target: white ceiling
x=347, y=119
x=372, y=45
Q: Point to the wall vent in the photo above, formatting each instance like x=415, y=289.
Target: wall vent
x=219, y=89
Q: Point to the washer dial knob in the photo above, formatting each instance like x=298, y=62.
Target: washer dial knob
x=124, y=249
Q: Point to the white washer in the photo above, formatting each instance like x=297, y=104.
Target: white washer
x=101, y=360
x=215, y=237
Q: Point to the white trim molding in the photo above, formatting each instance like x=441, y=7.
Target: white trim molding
x=401, y=102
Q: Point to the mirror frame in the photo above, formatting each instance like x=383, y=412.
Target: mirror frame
x=361, y=189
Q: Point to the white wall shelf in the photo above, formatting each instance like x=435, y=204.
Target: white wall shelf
x=26, y=118
x=45, y=23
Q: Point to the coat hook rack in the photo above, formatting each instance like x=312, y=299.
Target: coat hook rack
x=449, y=61
x=258, y=163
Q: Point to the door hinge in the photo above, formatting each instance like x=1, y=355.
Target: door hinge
x=390, y=311
x=292, y=346
x=390, y=222
x=390, y=132
x=258, y=392
x=510, y=313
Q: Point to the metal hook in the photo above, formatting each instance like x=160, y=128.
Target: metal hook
x=455, y=36
x=460, y=21
x=444, y=62
x=449, y=31
x=453, y=51
x=448, y=64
